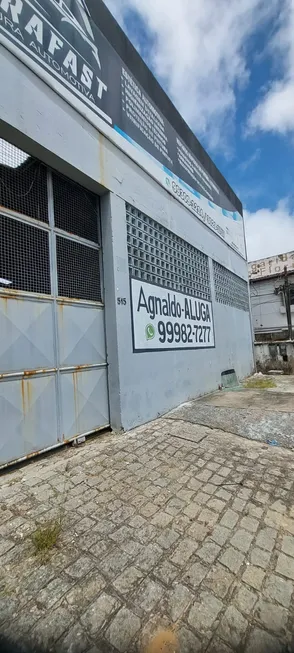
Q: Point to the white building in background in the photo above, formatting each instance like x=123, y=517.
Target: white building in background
x=268, y=293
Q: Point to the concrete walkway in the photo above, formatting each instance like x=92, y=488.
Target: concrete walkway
x=262, y=415
x=171, y=525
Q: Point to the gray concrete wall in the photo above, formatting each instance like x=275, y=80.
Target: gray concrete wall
x=152, y=383
x=147, y=384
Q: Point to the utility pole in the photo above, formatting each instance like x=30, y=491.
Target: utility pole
x=288, y=303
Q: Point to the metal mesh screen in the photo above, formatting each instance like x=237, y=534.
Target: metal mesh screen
x=158, y=256
x=75, y=209
x=229, y=288
x=24, y=257
x=23, y=183
x=78, y=270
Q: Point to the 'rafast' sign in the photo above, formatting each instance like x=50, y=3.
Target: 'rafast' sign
x=59, y=42
x=60, y=38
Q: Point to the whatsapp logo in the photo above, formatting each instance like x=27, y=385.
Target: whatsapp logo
x=150, y=332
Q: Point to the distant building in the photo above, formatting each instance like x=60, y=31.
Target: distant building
x=271, y=288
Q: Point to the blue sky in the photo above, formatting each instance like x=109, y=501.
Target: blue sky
x=228, y=66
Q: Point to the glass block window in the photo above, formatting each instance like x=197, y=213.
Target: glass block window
x=158, y=256
x=24, y=257
x=229, y=288
x=23, y=183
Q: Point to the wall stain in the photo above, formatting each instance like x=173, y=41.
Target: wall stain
x=76, y=397
x=26, y=395
x=4, y=301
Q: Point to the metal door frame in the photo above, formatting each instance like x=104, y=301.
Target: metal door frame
x=56, y=300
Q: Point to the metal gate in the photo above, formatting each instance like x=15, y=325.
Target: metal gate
x=53, y=372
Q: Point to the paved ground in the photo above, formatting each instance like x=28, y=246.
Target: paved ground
x=279, y=398
x=172, y=524
x=255, y=414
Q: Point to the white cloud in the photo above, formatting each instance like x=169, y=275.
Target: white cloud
x=199, y=52
x=275, y=111
x=269, y=232
x=244, y=165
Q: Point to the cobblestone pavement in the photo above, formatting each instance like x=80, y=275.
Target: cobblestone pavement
x=171, y=524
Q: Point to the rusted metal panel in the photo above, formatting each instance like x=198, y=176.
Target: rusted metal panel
x=22, y=295
x=29, y=416
x=53, y=384
x=81, y=335
x=27, y=340
x=53, y=371
x=66, y=301
x=33, y=454
x=84, y=400
x=8, y=376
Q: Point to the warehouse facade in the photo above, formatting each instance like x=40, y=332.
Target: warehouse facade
x=123, y=274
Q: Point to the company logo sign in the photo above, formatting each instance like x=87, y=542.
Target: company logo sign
x=59, y=37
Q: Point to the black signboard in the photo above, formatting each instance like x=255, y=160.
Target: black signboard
x=62, y=44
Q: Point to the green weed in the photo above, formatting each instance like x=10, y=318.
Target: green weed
x=260, y=383
x=46, y=536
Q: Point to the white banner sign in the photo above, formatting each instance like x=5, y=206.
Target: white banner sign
x=163, y=319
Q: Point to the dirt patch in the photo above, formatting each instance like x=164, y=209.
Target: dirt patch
x=165, y=641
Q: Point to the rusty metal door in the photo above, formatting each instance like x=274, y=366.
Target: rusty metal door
x=53, y=371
